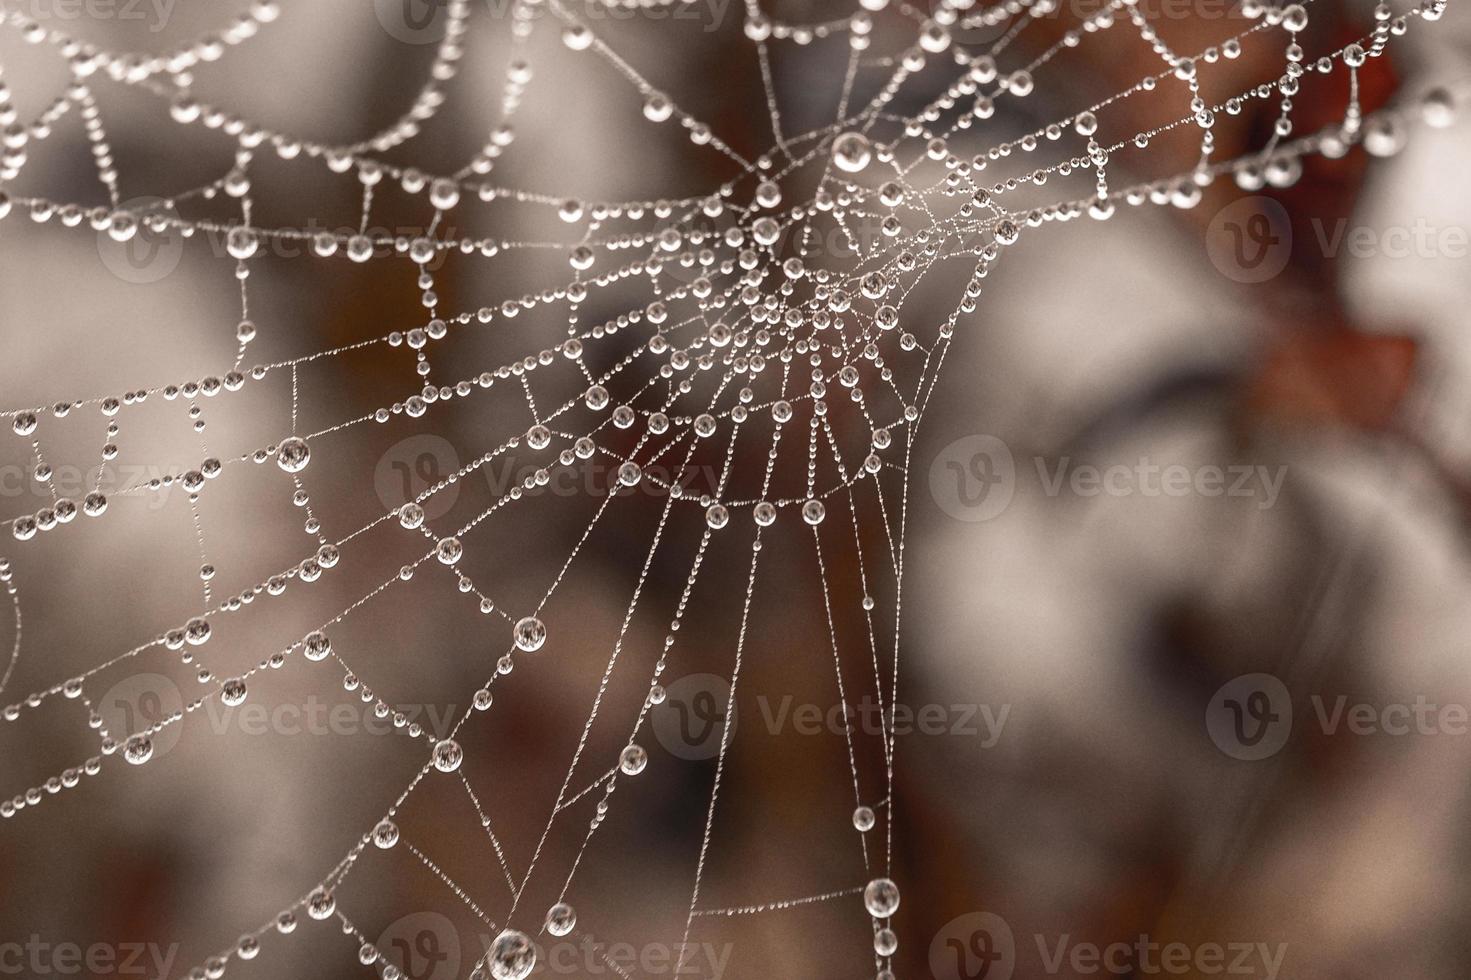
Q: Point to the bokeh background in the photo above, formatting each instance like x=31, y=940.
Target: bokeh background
x=1082, y=652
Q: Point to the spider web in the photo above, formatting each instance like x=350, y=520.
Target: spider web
x=770, y=334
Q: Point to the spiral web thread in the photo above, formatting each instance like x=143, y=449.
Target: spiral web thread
x=740, y=340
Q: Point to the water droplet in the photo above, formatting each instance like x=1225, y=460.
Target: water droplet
x=138, y=749
x=633, y=760
x=530, y=633
x=657, y=108
x=316, y=646
x=448, y=755
x=561, y=919
x=321, y=904
x=233, y=691
x=511, y=956
x=449, y=550
x=852, y=152
x=881, y=898
x=293, y=454
x=385, y=834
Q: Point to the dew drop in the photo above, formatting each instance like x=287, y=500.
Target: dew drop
x=530, y=634
x=561, y=919
x=233, y=691
x=881, y=898
x=448, y=755
x=293, y=454
x=138, y=749
x=852, y=152
x=321, y=904
x=633, y=760
x=385, y=834
x=449, y=550
x=511, y=956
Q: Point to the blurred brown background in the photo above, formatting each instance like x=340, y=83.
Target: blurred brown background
x=1081, y=787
